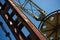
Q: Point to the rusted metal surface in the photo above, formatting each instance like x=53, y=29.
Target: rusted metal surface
x=41, y=37
x=16, y=30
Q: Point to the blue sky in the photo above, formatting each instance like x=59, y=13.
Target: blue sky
x=47, y=5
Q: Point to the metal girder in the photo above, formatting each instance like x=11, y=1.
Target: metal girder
x=16, y=30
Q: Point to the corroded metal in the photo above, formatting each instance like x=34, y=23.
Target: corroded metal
x=13, y=24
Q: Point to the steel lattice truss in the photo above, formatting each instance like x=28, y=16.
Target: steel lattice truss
x=17, y=20
x=18, y=23
x=31, y=8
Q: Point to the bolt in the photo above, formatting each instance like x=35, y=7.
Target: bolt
x=0, y=7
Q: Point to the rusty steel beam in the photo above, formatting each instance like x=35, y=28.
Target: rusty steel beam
x=28, y=22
